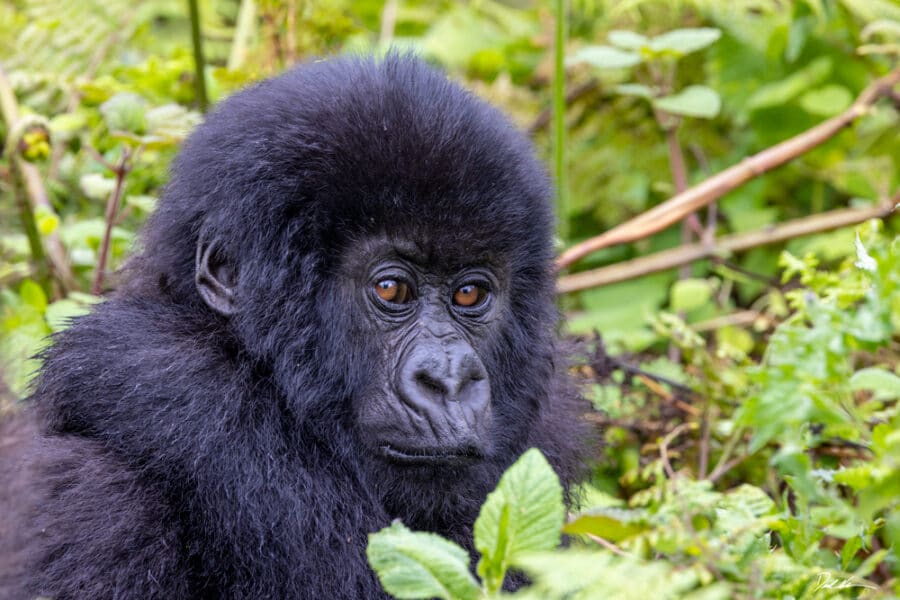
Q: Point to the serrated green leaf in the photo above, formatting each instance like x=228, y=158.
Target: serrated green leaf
x=606, y=57
x=693, y=101
x=412, y=564
x=685, y=41
x=628, y=40
x=688, y=294
x=59, y=313
x=524, y=514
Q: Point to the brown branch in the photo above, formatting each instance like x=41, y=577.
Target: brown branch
x=670, y=259
x=34, y=187
x=681, y=205
x=112, y=207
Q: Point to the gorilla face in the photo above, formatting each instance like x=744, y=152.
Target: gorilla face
x=427, y=400
x=430, y=404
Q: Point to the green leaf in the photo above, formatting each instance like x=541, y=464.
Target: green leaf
x=96, y=186
x=634, y=89
x=59, y=313
x=524, y=514
x=125, y=112
x=780, y=92
x=628, y=40
x=693, y=101
x=32, y=295
x=885, y=384
x=413, y=564
x=863, y=260
x=142, y=202
x=685, y=41
x=613, y=524
x=826, y=101
x=688, y=294
x=606, y=57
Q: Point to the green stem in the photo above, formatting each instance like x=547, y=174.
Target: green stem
x=559, y=122
x=199, y=62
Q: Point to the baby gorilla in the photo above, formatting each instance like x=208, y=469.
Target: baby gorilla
x=342, y=314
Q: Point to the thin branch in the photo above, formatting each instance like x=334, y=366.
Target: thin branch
x=37, y=195
x=670, y=259
x=112, y=207
x=681, y=205
x=609, y=546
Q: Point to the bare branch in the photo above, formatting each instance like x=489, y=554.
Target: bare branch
x=670, y=259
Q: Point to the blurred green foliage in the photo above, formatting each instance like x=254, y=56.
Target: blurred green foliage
x=751, y=448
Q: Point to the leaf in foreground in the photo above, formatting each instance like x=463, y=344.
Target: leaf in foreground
x=524, y=514
x=420, y=565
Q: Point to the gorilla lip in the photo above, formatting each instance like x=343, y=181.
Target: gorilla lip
x=428, y=456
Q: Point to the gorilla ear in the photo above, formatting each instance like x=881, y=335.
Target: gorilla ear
x=215, y=277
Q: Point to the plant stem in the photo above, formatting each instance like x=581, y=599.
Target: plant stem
x=559, y=120
x=199, y=62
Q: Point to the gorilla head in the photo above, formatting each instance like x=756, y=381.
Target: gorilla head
x=342, y=313
x=381, y=240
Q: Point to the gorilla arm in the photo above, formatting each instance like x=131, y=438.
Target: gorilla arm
x=86, y=521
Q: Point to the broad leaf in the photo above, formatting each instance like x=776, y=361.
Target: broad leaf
x=606, y=57
x=634, y=89
x=613, y=524
x=628, y=40
x=420, y=565
x=693, y=101
x=826, y=101
x=685, y=41
x=885, y=384
x=524, y=514
x=688, y=294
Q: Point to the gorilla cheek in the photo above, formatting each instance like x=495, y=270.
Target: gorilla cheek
x=435, y=409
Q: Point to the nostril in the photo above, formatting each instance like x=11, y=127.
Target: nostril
x=430, y=384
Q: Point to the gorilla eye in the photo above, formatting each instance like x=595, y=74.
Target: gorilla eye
x=469, y=295
x=393, y=291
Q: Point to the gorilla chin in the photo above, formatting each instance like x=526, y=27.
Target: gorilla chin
x=341, y=313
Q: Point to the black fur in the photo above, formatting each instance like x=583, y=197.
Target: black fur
x=171, y=452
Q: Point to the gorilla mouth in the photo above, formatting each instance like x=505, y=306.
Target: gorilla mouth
x=431, y=456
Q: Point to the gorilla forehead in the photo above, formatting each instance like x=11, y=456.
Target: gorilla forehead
x=355, y=145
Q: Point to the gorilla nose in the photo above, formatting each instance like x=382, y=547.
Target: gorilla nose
x=438, y=377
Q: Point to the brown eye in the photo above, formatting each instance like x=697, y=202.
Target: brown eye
x=469, y=295
x=393, y=291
